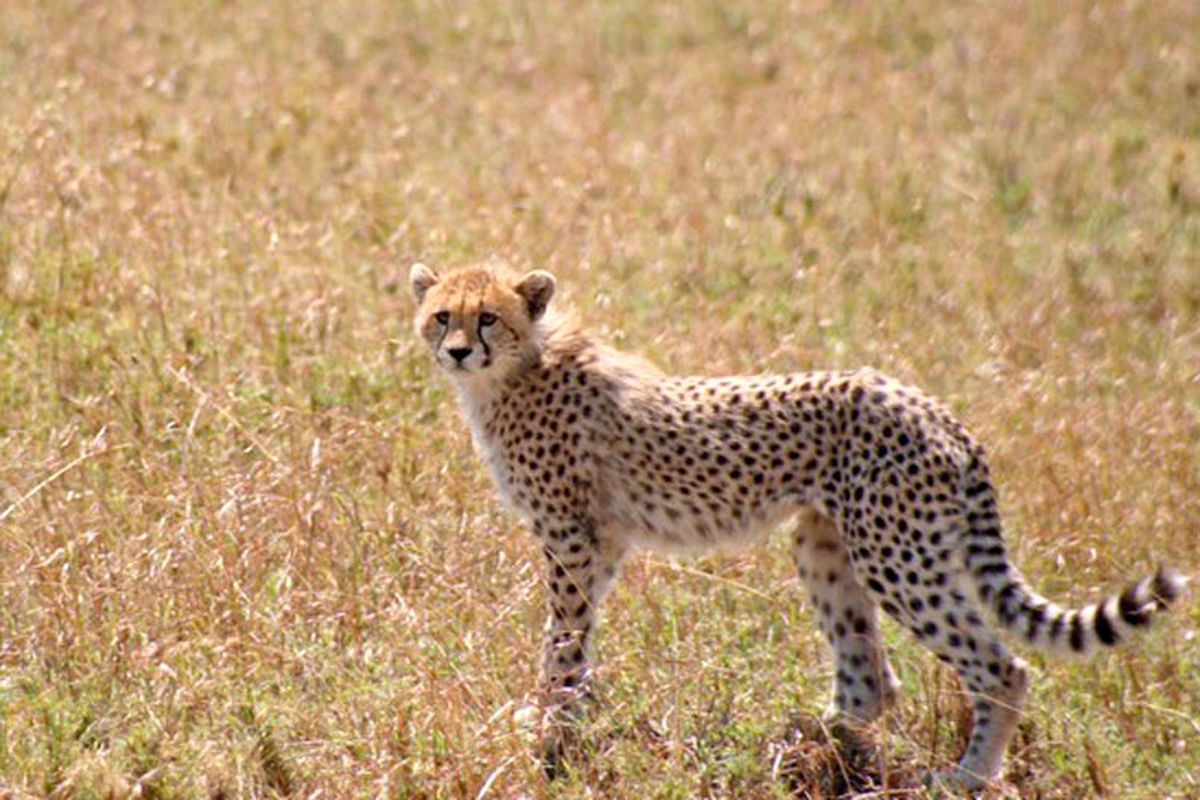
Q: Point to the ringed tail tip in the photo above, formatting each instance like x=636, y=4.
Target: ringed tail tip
x=1169, y=585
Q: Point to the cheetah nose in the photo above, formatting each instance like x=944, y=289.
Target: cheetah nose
x=459, y=353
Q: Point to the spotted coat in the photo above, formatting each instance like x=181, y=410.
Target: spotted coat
x=603, y=453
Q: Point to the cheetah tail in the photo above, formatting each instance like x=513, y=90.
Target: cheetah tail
x=1068, y=631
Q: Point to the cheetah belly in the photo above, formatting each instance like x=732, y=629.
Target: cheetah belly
x=657, y=517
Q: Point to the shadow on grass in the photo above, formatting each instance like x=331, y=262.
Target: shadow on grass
x=808, y=759
x=820, y=761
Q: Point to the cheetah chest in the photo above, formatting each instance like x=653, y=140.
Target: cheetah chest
x=537, y=463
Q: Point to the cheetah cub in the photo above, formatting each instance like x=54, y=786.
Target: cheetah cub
x=602, y=453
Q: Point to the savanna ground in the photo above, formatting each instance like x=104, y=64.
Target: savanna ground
x=245, y=547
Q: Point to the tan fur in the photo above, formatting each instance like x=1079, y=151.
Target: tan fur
x=602, y=452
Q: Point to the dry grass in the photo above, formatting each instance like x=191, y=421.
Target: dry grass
x=245, y=549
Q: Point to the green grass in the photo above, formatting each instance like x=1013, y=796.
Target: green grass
x=245, y=547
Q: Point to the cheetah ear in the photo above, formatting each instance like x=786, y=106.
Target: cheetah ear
x=536, y=289
x=422, y=279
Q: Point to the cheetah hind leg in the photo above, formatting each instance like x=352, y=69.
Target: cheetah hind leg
x=864, y=685
x=995, y=680
x=997, y=693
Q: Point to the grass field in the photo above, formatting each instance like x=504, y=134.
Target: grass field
x=245, y=547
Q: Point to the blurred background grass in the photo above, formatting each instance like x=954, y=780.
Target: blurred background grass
x=245, y=548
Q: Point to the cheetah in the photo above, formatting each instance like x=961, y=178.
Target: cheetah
x=600, y=452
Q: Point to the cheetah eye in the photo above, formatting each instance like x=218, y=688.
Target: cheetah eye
x=487, y=318
x=442, y=317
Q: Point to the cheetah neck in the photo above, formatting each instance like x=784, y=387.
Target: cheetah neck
x=558, y=341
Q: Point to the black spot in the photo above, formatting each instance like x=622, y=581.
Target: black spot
x=1104, y=628
x=1166, y=587
x=1037, y=617
x=1132, y=610
x=1076, y=638
x=996, y=550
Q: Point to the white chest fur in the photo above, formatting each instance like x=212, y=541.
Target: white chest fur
x=491, y=451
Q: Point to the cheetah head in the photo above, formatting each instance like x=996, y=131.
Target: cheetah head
x=480, y=322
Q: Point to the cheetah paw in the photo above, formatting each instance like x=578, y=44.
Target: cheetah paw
x=951, y=783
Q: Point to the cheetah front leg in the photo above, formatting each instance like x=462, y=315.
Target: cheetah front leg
x=580, y=569
x=863, y=683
